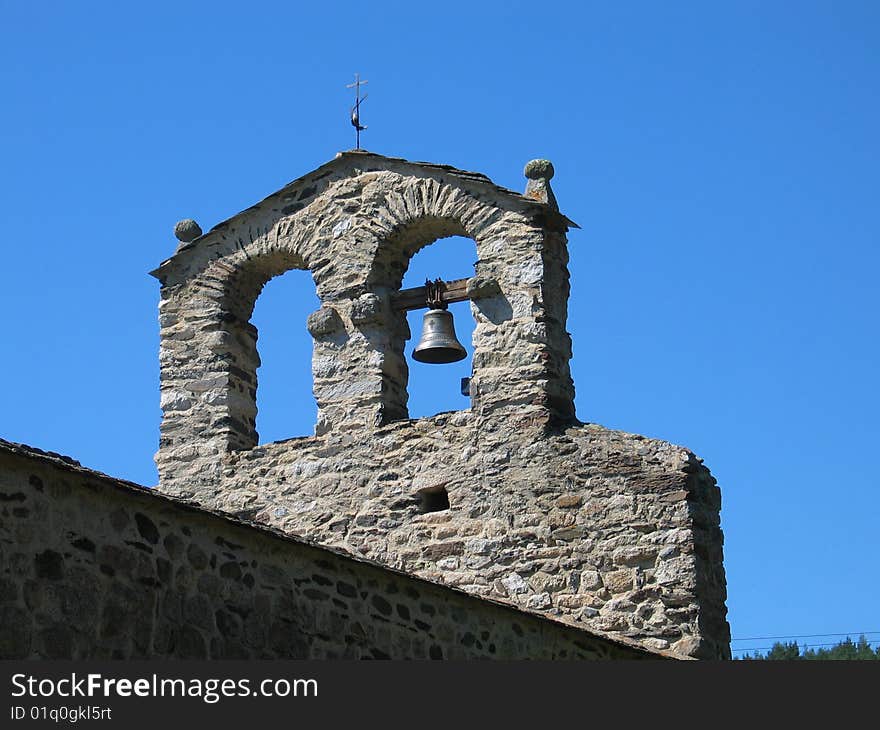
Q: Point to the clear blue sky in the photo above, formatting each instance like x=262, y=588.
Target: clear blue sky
x=722, y=159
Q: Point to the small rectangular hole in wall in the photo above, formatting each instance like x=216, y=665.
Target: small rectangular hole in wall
x=435, y=499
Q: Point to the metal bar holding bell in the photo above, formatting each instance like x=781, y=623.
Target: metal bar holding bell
x=416, y=298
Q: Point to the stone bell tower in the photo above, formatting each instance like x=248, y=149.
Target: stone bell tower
x=512, y=499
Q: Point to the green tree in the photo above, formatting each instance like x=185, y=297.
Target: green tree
x=784, y=651
x=846, y=650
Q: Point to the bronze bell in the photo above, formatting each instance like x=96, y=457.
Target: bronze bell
x=439, y=345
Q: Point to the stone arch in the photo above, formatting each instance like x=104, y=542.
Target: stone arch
x=520, y=348
x=355, y=224
x=209, y=359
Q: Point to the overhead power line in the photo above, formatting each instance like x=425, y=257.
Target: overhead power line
x=805, y=636
x=805, y=646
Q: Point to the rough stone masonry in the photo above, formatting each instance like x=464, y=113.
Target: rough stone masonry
x=513, y=499
x=92, y=567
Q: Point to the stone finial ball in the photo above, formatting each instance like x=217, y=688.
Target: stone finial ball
x=539, y=169
x=187, y=230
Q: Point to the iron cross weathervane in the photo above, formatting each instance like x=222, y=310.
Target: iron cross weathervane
x=356, y=109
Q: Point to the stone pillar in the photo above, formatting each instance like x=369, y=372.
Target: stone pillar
x=521, y=348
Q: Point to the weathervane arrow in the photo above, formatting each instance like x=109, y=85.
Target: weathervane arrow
x=356, y=109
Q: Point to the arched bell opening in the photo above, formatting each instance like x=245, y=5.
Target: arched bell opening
x=286, y=406
x=248, y=331
x=432, y=387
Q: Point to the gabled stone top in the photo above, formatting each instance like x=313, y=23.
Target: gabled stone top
x=361, y=161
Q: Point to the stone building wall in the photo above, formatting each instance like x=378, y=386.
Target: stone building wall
x=96, y=568
x=607, y=530
x=610, y=530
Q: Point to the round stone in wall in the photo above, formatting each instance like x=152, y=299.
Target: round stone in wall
x=324, y=321
x=187, y=230
x=539, y=170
